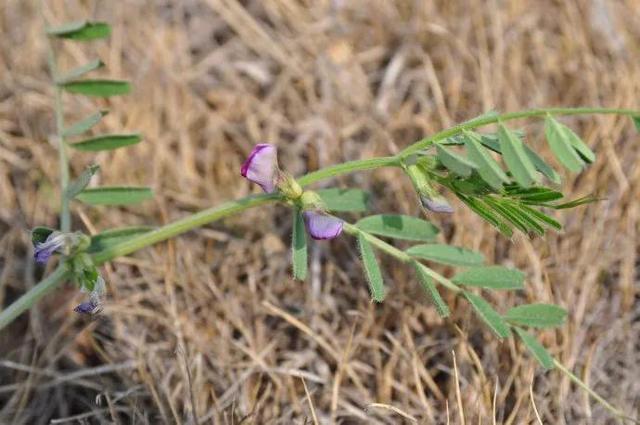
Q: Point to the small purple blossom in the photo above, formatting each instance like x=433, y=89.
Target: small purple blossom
x=321, y=226
x=436, y=205
x=93, y=304
x=44, y=250
x=262, y=166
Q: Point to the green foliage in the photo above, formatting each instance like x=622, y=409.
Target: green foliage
x=79, y=184
x=76, y=73
x=112, y=237
x=84, y=125
x=537, y=315
x=446, y=254
x=81, y=31
x=430, y=289
x=454, y=162
x=114, y=195
x=516, y=157
x=491, y=277
x=535, y=348
x=399, y=227
x=561, y=144
x=488, y=315
x=107, y=142
x=299, y=247
x=488, y=168
x=371, y=268
x=97, y=88
x=344, y=200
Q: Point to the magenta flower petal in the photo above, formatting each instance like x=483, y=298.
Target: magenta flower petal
x=262, y=166
x=436, y=205
x=321, y=226
x=44, y=250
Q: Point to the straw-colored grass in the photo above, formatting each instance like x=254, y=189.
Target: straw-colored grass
x=210, y=326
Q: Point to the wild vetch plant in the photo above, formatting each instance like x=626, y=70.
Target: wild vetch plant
x=513, y=194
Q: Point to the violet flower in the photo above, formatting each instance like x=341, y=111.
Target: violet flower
x=44, y=250
x=436, y=205
x=262, y=168
x=93, y=304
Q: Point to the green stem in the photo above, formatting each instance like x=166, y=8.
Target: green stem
x=30, y=298
x=348, y=167
x=183, y=225
x=492, y=119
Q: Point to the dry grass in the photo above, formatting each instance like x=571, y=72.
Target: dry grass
x=210, y=326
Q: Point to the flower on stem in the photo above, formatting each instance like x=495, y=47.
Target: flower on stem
x=262, y=168
x=436, y=204
x=93, y=304
x=55, y=242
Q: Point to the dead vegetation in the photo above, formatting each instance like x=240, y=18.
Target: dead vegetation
x=210, y=327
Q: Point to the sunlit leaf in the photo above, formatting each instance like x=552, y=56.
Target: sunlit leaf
x=516, y=157
x=399, y=227
x=583, y=150
x=488, y=168
x=458, y=164
x=446, y=254
x=106, y=142
x=115, y=195
x=98, y=88
x=431, y=290
x=299, y=247
x=536, y=349
x=488, y=315
x=85, y=124
x=491, y=277
x=344, y=200
x=79, y=184
x=537, y=315
x=371, y=268
x=81, y=30
x=76, y=73
x=561, y=146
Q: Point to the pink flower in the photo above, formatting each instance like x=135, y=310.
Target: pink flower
x=322, y=226
x=262, y=166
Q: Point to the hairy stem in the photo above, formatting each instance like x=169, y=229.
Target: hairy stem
x=494, y=118
x=348, y=167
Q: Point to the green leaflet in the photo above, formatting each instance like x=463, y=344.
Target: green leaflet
x=537, y=315
x=85, y=124
x=114, y=195
x=344, y=200
x=431, y=290
x=535, y=348
x=446, y=254
x=97, y=88
x=299, y=247
x=516, y=157
x=78, y=185
x=112, y=237
x=488, y=315
x=488, y=168
x=399, y=227
x=76, y=73
x=485, y=212
x=583, y=150
x=454, y=162
x=106, y=142
x=491, y=277
x=81, y=30
x=561, y=145
x=371, y=268
x=636, y=122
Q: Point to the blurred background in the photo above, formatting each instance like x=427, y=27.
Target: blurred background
x=210, y=327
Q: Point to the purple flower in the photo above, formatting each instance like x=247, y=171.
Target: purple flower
x=436, y=205
x=262, y=166
x=322, y=226
x=44, y=250
x=93, y=304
